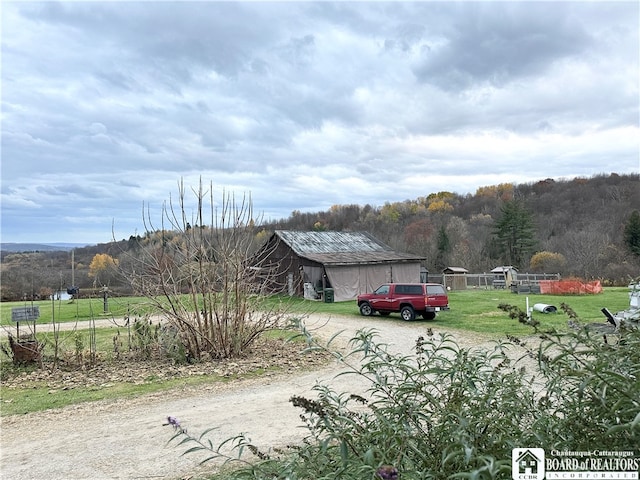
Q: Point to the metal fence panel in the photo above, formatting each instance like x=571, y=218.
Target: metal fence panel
x=486, y=280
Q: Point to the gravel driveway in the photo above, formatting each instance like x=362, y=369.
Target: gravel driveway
x=125, y=439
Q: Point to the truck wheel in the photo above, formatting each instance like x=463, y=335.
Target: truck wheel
x=429, y=315
x=366, y=310
x=407, y=313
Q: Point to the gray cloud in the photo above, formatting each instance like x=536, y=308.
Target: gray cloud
x=497, y=46
x=304, y=104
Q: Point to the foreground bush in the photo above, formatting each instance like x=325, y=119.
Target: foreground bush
x=207, y=280
x=449, y=412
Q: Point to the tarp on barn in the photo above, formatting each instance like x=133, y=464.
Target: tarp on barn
x=349, y=281
x=570, y=287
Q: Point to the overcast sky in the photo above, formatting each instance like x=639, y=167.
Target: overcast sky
x=303, y=105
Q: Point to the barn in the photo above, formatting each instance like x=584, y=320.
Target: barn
x=344, y=264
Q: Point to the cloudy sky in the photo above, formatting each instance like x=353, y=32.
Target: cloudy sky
x=106, y=106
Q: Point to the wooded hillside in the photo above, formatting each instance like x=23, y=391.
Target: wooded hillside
x=584, y=227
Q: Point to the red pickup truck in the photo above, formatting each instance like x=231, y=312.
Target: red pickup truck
x=407, y=298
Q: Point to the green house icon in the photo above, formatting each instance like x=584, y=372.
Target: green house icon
x=528, y=463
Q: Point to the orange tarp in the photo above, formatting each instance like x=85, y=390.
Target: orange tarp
x=570, y=287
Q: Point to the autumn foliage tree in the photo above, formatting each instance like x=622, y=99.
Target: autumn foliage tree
x=102, y=268
x=549, y=262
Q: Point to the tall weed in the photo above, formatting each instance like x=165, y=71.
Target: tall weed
x=451, y=412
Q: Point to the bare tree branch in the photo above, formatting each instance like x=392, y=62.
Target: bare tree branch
x=209, y=281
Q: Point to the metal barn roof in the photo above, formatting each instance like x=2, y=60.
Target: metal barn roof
x=503, y=269
x=342, y=248
x=455, y=270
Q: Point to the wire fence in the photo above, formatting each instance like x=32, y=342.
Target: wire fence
x=462, y=281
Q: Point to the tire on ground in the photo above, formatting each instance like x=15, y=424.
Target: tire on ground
x=365, y=309
x=407, y=313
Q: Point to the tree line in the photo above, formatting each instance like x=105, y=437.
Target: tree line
x=583, y=227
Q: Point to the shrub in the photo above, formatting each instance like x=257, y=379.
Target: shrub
x=450, y=412
x=548, y=262
x=147, y=341
x=209, y=282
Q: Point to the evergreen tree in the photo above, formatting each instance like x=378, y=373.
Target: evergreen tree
x=444, y=247
x=514, y=233
x=632, y=233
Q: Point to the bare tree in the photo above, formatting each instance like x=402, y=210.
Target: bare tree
x=201, y=273
x=458, y=232
x=585, y=251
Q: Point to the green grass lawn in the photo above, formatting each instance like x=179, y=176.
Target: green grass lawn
x=474, y=310
x=477, y=310
x=40, y=397
x=471, y=310
x=81, y=309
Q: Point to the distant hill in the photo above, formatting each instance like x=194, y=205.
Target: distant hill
x=39, y=247
x=579, y=229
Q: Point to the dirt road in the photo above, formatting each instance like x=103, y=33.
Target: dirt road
x=125, y=439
